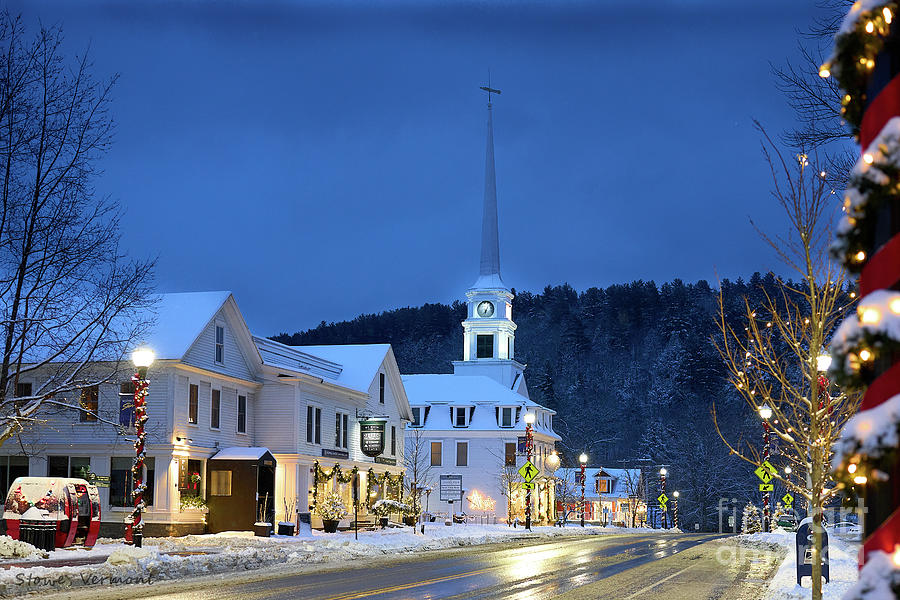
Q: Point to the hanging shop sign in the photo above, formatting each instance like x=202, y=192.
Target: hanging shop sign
x=371, y=437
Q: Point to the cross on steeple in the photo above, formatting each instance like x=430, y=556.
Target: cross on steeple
x=489, y=89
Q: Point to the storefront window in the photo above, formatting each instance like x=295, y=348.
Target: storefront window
x=120, y=483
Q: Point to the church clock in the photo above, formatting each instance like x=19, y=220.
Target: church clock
x=485, y=309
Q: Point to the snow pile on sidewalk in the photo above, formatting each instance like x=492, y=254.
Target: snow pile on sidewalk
x=239, y=551
x=10, y=548
x=842, y=569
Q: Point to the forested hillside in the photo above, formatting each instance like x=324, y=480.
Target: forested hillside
x=625, y=367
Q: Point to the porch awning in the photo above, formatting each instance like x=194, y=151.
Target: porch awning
x=240, y=453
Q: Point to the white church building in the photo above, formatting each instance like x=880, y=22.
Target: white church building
x=472, y=423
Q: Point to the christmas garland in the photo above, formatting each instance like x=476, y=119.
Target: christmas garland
x=858, y=42
x=385, y=478
x=868, y=445
x=874, y=184
x=860, y=341
x=319, y=474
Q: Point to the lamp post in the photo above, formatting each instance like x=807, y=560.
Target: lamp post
x=766, y=413
x=529, y=446
x=662, y=488
x=583, y=460
x=142, y=359
x=553, y=463
x=675, y=495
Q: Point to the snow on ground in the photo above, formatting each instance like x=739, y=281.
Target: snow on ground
x=843, y=566
x=241, y=551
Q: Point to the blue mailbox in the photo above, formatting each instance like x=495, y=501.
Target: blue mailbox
x=805, y=550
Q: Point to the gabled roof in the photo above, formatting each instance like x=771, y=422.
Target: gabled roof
x=180, y=318
x=485, y=394
x=619, y=479
x=292, y=358
x=359, y=362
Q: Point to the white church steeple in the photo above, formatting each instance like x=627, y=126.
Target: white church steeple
x=489, y=331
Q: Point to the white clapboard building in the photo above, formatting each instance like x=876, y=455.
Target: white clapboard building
x=237, y=424
x=472, y=422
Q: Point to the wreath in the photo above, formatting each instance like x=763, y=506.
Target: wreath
x=860, y=341
x=858, y=41
x=874, y=184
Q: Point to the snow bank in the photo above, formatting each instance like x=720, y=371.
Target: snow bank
x=240, y=551
x=10, y=548
x=843, y=569
x=878, y=580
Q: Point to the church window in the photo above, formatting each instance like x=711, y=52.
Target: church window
x=506, y=417
x=510, y=454
x=485, y=346
x=436, y=454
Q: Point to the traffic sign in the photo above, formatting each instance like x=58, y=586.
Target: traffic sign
x=528, y=471
x=527, y=486
x=787, y=499
x=769, y=467
x=767, y=487
x=663, y=498
x=763, y=474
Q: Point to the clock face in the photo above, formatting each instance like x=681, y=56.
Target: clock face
x=485, y=309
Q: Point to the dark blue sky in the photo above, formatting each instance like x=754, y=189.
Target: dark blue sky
x=322, y=160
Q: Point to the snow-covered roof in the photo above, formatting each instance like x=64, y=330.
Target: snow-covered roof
x=440, y=392
x=240, y=453
x=618, y=477
x=180, y=318
x=359, y=362
x=291, y=358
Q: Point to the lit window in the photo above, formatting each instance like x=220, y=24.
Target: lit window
x=435, y=454
x=89, y=404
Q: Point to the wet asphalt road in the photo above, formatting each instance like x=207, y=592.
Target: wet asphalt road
x=614, y=567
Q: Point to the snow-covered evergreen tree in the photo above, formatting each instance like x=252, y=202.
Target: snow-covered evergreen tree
x=751, y=523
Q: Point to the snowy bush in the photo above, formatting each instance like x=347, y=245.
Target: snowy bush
x=331, y=508
x=879, y=580
x=383, y=508
x=751, y=523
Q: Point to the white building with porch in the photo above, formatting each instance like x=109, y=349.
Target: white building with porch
x=219, y=395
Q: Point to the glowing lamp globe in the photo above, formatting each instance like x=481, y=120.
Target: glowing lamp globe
x=529, y=418
x=553, y=460
x=583, y=458
x=765, y=412
x=788, y=471
x=823, y=361
x=663, y=471
x=142, y=357
x=676, y=494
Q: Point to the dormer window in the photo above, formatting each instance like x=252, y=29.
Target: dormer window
x=506, y=416
x=460, y=415
x=419, y=414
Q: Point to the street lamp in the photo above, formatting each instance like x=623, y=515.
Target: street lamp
x=823, y=361
x=142, y=359
x=529, y=447
x=675, y=495
x=583, y=460
x=766, y=413
x=662, y=487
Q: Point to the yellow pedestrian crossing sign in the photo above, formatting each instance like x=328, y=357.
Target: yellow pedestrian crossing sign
x=663, y=498
x=527, y=486
x=528, y=471
x=787, y=499
x=763, y=474
x=767, y=487
x=771, y=469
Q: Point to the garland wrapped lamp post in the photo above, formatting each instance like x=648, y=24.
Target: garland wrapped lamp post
x=675, y=495
x=553, y=463
x=529, y=447
x=865, y=346
x=583, y=460
x=142, y=359
x=662, y=488
x=765, y=413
